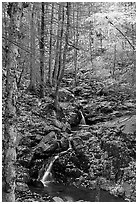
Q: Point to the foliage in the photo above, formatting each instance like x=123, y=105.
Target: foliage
x=73, y=66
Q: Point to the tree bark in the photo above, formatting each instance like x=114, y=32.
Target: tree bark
x=50, y=47
x=42, y=51
x=76, y=37
x=34, y=85
x=10, y=130
x=90, y=36
x=61, y=74
x=114, y=62
x=56, y=64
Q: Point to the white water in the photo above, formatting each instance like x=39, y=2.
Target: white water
x=83, y=122
x=47, y=177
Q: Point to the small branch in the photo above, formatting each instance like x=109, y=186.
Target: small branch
x=72, y=45
x=19, y=79
x=17, y=44
x=121, y=33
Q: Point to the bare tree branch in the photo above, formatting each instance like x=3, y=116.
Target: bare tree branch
x=121, y=33
x=17, y=44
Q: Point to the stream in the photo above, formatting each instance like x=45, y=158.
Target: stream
x=71, y=193
x=59, y=192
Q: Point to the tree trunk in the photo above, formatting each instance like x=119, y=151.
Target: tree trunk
x=42, y=52
x=76, y=37
x=114, y=62
x=91, y=37
x=50, y=47
x=134, y=57
x=56, y=65
x=10, y=130
x=60, y=43
x=34, y=85
x=61, y=74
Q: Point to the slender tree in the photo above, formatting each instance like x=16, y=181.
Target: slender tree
x=91, y=36
x=61, y=73
x=114, y=61
x=14, y=11
x=42, y=50
x=50, y=46
x=56, y=63
x=76, y=37
x=60, y=43
x=34, y=85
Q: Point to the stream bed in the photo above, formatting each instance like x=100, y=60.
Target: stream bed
x=63, y=193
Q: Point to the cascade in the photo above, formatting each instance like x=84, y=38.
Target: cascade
x=47, y=174
x=83, y=122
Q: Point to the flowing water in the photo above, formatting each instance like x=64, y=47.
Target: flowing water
x=72, y=193
x=67, y=192
x=47, y=173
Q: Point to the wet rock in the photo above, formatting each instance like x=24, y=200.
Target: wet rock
x=35, y=183
x=75, y=118
x=57, y=199
x=35, y=167
x=64, y=144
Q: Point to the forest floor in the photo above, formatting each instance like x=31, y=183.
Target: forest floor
x=104, y=154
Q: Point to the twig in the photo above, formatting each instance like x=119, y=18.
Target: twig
x=17, y=44
x=121, y=33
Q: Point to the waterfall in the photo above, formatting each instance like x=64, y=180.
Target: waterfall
x=47, y=174
x=83, y=122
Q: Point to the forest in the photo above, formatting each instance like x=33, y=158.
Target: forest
x=69, y=101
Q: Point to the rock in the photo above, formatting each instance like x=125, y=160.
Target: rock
x=47, y=144
x=94, y=120
x=49, y=137
x=50, y=148
x=35, y=183
x=68, y=199
x=25, y=141
x=80, y=201
x=64, y=143
x=85, y=135
x=20, y=186
x=130, y=125
x=48, y=129
x=73, y=172
x=107, y=109
x=23, y=177
x=65, y=95
x=25, y=160
x=66, y=128
x=58, y=199
x=75, y=118
x=57, y=123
